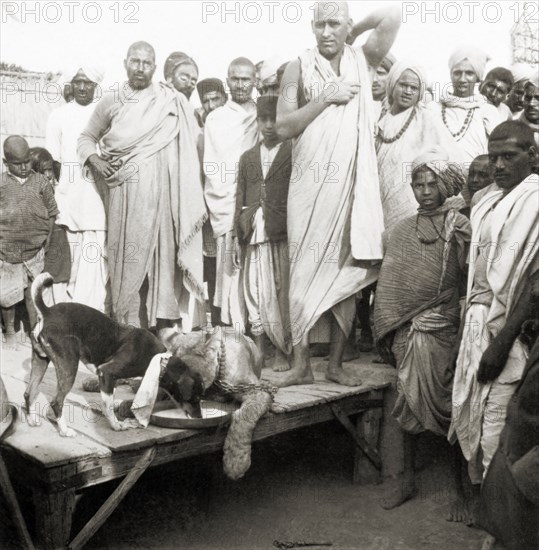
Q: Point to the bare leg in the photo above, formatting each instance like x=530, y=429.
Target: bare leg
x=460, y=508
x=280, y=363
x=336, y=372
x=301, y=372
x=259, y=342
x=30, y=308
x=402, y=488
x=10, y=337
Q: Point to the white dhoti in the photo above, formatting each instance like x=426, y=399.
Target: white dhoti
x=228, y=288
x=265, y=285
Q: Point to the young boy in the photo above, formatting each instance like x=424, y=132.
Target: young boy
x=27, y=214
x=261, y=236
x=496, y=86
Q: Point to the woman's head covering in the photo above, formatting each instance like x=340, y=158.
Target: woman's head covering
x=474, y=55
x=396, y=72
x=175, y=59
x=450, y=177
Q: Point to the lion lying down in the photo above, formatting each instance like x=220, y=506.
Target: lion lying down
x=230, y=365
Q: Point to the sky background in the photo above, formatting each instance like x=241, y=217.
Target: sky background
x=59, y=37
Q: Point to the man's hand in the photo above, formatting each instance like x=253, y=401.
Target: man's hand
x=236, y=259
x=103, y=167
x=493, y=361
x=340, y=92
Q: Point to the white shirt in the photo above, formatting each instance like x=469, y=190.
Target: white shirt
x=81, y=207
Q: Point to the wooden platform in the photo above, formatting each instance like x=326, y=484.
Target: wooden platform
x=55, y=468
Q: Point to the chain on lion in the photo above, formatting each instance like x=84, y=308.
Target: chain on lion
x=239, y=388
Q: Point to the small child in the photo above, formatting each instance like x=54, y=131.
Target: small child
x=261, y=233
x=27, y=214
x=58, y=256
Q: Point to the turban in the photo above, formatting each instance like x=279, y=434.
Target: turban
x=521, y=72
x=210, y=85
x=450, y=177
x=92, y=72
x=175, y=59
x=475, y=56
x=388, y=62
x=396, y=72
x=266, y=106
x=270, y=67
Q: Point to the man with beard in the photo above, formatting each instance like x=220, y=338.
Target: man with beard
x=149, y=162
x=515, y=99
x=229, y=132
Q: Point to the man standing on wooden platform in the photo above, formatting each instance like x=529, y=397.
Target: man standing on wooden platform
x=334, y=212
x=149, y=162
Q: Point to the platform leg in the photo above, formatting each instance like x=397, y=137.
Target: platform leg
x=13, y=506
x=54, y=512
x=368, y=428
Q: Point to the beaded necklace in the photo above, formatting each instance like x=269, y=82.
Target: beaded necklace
x=421, y=238
x=401, y=131
x=467, y=121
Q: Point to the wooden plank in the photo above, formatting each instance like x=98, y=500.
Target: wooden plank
x=370, y=452
x=113, y=501
x=367, y=428
x=54, y=512
x=202, y=442
x=43, y=445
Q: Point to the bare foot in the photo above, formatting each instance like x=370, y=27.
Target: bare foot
x=379, y=361
x=292, y=377
x=10, y=341
x=281, y=362
x=397, y=492
x=458, y=512
x=339, y=375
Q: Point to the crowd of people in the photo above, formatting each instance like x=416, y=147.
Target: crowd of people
x=346, y=188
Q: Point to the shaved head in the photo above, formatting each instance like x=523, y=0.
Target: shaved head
x=241, y=62
x=330, y=10
x=140, y=45
x=16, y=149
x=241, y=79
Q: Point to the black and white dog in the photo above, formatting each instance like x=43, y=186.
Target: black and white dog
x=67, y=333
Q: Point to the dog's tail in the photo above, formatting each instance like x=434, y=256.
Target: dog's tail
x=42, y=280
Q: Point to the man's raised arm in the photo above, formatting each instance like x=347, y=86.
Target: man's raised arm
x=385, y=23
x=292, y=120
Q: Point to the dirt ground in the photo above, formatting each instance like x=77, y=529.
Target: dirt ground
x=298, y=489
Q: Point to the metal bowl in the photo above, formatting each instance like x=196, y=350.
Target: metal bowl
x=214, y=413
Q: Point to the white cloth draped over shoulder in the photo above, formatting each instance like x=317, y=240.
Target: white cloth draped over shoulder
x=512, y=258
x=81, y=210
x=334, y=210
x=473, y=141
x=229, y=131
x=156, y=205
x=81, y=207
